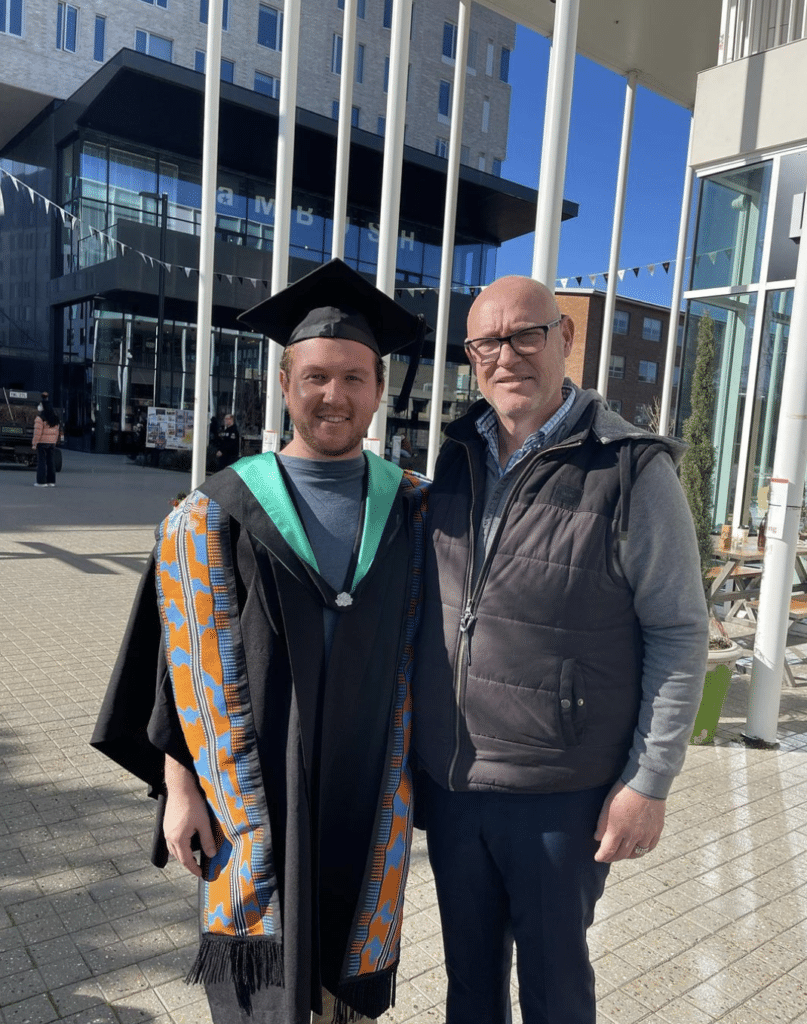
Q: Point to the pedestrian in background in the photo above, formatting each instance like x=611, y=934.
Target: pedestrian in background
x=228, y=442
x=46, y=436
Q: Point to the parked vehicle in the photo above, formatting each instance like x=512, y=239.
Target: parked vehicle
x=18, y=410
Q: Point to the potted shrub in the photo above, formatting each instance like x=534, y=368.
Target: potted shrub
x=697, y=470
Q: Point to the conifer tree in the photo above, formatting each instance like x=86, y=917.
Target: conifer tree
x=697, y=467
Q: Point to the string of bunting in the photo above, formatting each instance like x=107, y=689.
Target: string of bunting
x=72, y=222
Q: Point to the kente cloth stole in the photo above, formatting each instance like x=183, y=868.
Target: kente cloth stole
x=241, y=921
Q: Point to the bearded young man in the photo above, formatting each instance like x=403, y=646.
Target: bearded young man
x=279, y=610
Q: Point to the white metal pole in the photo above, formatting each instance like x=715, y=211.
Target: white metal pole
x=345, y=124
x=286, y=122
x=391, y=178
x=616, y=233
x=204, y=314
x=675, y=302
x=555, y=142
x=449, y=227
x=784, y=509
x=184, y=357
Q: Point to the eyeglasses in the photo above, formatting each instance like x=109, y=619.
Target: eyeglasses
x=529, y=341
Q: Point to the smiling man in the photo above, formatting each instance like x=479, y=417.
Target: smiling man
x=559, y=665
x=279, y=611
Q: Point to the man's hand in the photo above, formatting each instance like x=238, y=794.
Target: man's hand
x=185, y=816
x=627, y=820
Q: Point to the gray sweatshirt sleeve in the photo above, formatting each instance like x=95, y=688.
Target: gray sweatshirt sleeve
x=660, y=561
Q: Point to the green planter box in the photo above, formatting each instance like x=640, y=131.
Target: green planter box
x=715, y=689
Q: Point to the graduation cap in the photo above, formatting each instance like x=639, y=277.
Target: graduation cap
x=334, y=301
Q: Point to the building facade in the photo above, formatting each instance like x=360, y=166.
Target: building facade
x=98, y=278
x=638, y=343
x=749, y=149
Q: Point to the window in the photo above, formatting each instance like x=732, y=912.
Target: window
x=489, y=60
x=449, y=41
x=621, y=322
x=361, y=7
x=504, y=65
x=100, y=37
x=225, y=13
x=485, y=114
x=199, y=61
x=496, y=167
x=387, y=14
x=465, y=155
x=154, y=46
x=158, y=3
x=615, y=405
x=227, y=70
x=648, y=371
x=267, y=84
x=473, y=46
x=651, y=329
x=11, y=17
x=270, y=27
x=441, y=148
x=444, y=101
x=616, y=367
x=336, y=54
x=386, y=74
x=66, y=27
x=644, y=416
x=481, y=162
x=355, y=113
x=360, y=63
x=381, y=126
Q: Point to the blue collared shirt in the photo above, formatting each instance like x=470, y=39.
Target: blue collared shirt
x=488, y=427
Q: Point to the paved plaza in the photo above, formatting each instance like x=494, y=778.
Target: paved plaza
x=712, y=926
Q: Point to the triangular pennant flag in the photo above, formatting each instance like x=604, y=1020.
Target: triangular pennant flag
x=620, y=274
x=240, y=279
x=168, y=267
x=15, y=183
x=253, y=282
x=31, y=193
x=666, y=266
x=47, y=205
x=606, y=278
x=122, y=248
x=144, y=257
x=579, y=281
x=2, y=208
x=187, y=271
x=564, y=282
x=63, y=215
x=635, y=271
x=712, y=257
x=220, y=277
x=651, y=268
x=229, y=278
x=593, y=279
x=728, y=253
x=265, y=284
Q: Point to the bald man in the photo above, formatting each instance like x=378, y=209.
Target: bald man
x=560, y=662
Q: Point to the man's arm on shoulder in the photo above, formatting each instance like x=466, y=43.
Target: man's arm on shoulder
x=660, y=561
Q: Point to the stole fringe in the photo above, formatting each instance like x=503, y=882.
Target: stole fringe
x=250, y=964
x=367, y=996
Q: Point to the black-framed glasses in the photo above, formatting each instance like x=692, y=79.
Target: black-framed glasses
x=529, y=341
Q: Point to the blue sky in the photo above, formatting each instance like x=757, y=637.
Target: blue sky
x=655, y=180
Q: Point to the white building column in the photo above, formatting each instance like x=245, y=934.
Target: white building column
x=675, y=302
x=204, y=312
x=449, y=228
x=345, y=125
x=286, y=123
x=616, y=233
x=784, y=510
x=555, y=142
x=391, y=179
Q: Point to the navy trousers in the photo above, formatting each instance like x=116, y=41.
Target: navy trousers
x=516, y=867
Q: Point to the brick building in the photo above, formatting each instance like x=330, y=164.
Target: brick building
x=638, y=349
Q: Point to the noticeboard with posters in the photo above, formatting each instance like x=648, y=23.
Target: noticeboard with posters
x=169, y=428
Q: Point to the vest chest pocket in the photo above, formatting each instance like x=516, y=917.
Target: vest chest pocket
x=572, y=703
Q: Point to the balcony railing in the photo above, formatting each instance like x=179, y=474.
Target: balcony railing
x=751, y=26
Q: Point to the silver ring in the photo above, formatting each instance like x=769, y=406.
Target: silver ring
x=640, y=851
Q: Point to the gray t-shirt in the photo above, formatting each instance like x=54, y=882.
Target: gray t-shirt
x=328, y=496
